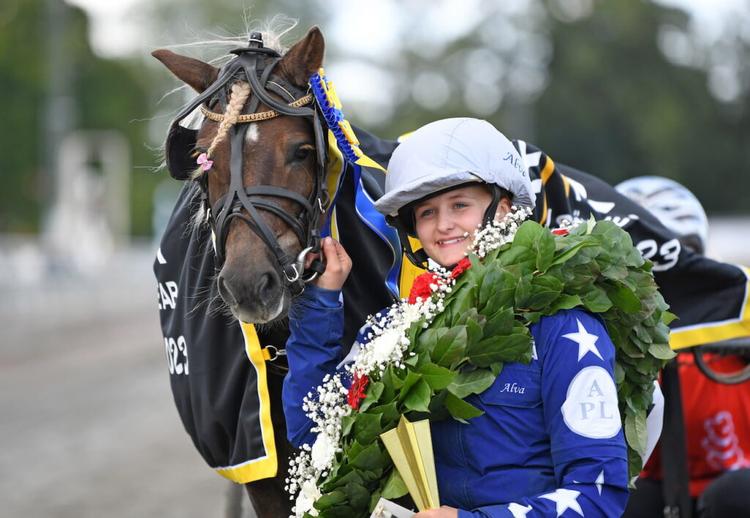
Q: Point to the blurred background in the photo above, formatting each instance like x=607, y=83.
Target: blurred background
x=617, y=88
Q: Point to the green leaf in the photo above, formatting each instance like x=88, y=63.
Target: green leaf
x=565, y=301
x=544, y=290
x=340, y=511
x=415, y=330
x=519, y=255
x=391, y=380
x=394, y=486
x=474, y=324
x=667, y=317
x=499, y=323
x=411, y=379
x=330, y=499
x=615, y=239
x=358, y=495
x=372, y=396
x=462, y=300
x=619, y=374
x=596, y=300
x=637, y=402
x=615, y=271
x=661, y=351
x=450, y=347
x=367, y=427
x=418, y=397
x=643, y=334
x=508, y=348
x=503, y=293
x=437, y=377
x=472, y=382
x=369, y=458
x=545, y=251
x=346, y=424
x=460, y=409
x=489, y=283
x=624, y=298
x=413, y=360
x=539, y=240
x=660, y=333
x=389, y=413
x=523, y=291
x=428, y=339
x=635, y=464
x=635, y=431
x=568, y=253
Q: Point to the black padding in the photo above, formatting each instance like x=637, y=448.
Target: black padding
x=179, y=151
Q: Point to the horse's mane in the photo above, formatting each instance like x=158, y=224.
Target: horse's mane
x=216, y=49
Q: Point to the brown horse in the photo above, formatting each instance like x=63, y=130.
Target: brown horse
x=263, y=190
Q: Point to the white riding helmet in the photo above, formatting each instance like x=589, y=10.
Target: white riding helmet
x=451, y=152
x=672, y=203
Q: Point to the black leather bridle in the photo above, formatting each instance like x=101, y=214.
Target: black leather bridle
x=255, y=64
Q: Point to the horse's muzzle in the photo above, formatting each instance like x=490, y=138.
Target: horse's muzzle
x=258, y=301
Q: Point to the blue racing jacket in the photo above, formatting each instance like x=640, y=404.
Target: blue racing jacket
x=550, y=441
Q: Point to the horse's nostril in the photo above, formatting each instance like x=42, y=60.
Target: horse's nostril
x=266, y=286
x=225, y=292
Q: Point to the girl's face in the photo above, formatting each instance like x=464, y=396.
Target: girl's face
x=446, y=223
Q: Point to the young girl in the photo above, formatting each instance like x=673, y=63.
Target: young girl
x=550, y=441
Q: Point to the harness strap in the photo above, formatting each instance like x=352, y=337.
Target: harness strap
x=248, y=62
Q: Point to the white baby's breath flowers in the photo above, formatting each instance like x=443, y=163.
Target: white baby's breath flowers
x=308, y=494
x=498, y=232
x=385, y=343
x=389, y=337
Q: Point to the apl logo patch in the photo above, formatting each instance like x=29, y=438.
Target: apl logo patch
x=590, y=408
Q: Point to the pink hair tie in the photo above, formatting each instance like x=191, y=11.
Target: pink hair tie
x=204, y=163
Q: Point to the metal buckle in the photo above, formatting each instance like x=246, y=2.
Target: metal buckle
x=275, y=352
x=301, y=263
x=295, y=277
x=309, y=278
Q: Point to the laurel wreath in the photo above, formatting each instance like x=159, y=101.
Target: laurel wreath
x=484, y=323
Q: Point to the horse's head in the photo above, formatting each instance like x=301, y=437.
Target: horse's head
x=260, y=159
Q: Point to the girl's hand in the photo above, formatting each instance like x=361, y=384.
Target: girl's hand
x=338, y=265
x=443, y=512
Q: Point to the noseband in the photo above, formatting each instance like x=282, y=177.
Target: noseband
x=255, y=64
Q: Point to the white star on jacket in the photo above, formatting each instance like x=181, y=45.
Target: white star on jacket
x=565, y=499
x=518, y=510
x=600, y=482
x=585, y=340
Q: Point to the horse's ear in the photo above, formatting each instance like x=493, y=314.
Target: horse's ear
x=304, y=58
x=195, y=73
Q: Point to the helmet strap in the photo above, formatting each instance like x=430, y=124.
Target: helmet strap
x=489, y=214
x=419, y=257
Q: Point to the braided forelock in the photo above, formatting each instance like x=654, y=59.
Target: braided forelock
x=237, y=99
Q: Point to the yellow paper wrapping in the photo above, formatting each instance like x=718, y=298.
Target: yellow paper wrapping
x=410, y=448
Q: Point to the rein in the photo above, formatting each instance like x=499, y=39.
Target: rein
x=255, y=64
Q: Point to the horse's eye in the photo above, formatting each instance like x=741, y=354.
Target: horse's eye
x=303, y=152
